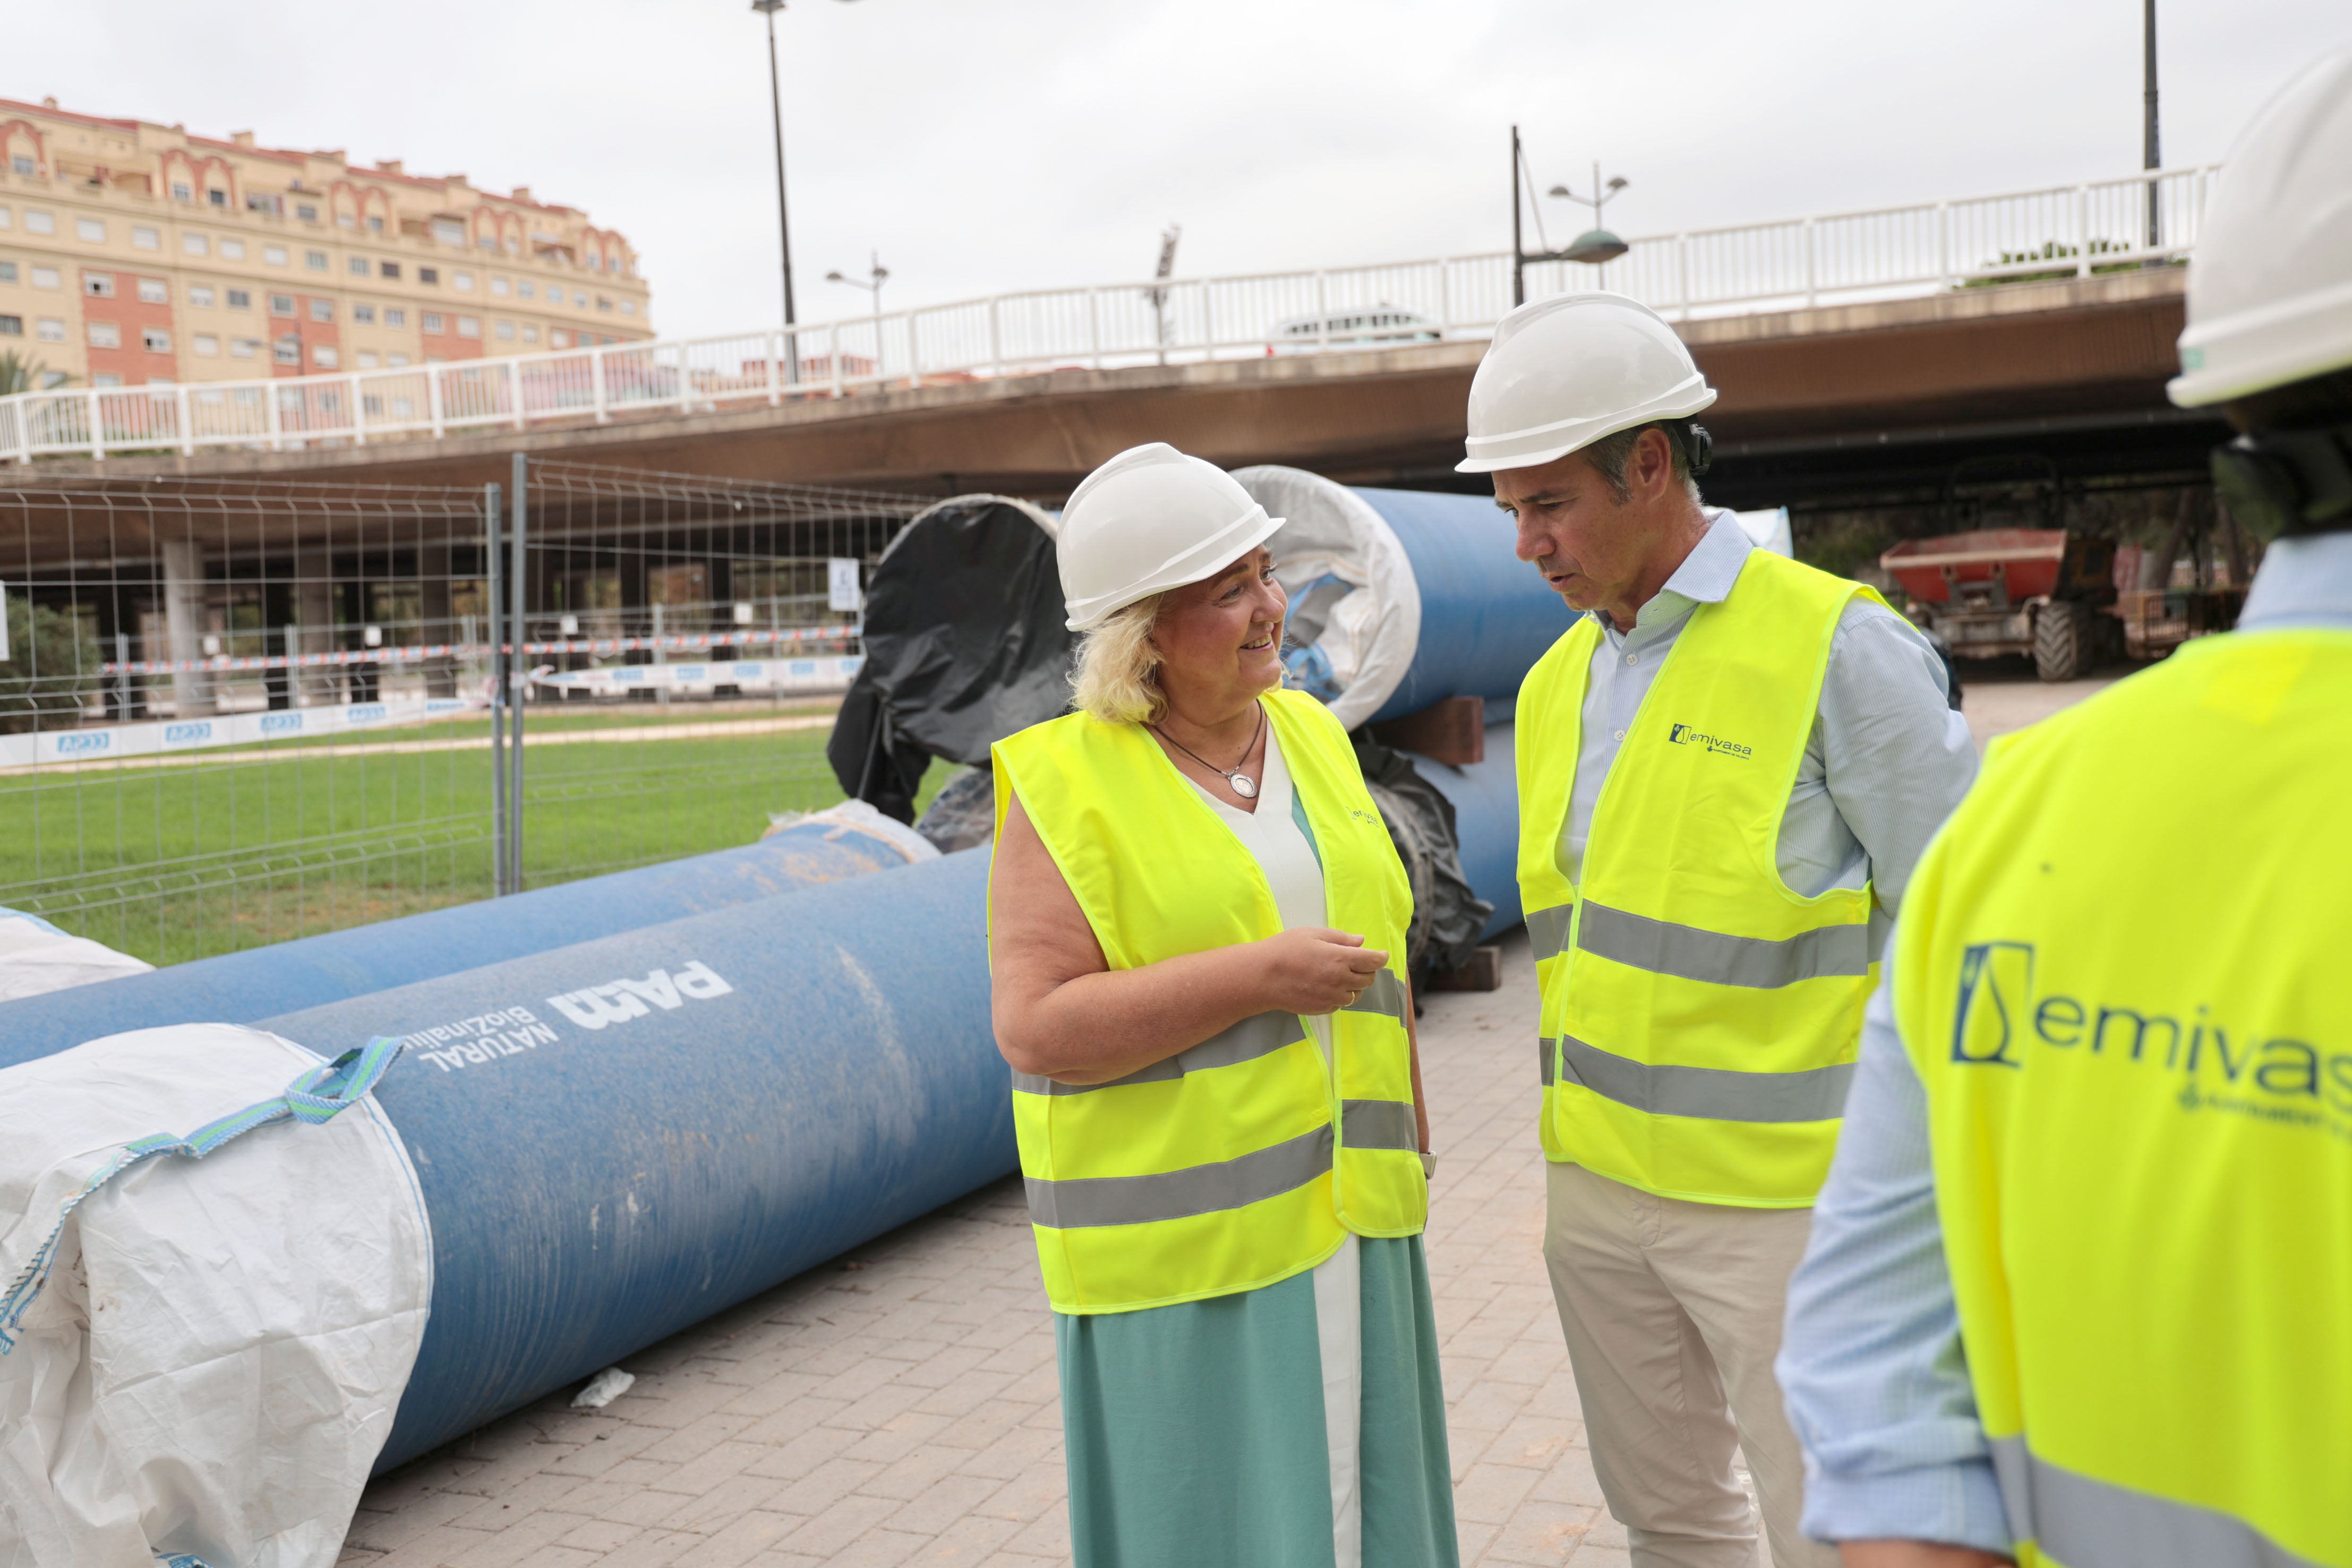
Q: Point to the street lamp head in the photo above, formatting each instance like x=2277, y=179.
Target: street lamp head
x=1560, y=191
x=834, y=277
x=769, y=6
x=881, y=273
x=1618, y=182
x=1595, y=247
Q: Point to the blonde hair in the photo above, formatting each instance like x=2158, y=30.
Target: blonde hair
x=1117, y=678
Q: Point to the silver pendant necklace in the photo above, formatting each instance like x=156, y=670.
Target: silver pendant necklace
x=1242, y=784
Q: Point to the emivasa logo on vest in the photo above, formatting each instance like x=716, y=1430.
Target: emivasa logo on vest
x=1684, y=735
x=2004, y=1019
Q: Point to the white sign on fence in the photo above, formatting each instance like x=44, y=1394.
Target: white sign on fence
x=104, y=742
x=841, y=583
x=782, y=676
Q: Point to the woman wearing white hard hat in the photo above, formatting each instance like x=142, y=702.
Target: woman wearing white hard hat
x=1196, y=924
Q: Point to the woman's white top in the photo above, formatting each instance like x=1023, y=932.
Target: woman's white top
x=1272, y=835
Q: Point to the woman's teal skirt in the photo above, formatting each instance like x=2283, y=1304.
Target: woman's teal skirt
x=1197, y=1436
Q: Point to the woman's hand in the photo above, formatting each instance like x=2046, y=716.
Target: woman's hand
x=1314, y=969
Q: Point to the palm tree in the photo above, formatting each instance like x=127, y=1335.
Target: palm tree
x=19, y=373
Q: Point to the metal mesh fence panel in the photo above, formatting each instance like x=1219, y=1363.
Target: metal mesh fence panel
x=234, y=713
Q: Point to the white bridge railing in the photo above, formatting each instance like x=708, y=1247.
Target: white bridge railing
x=1890, y=253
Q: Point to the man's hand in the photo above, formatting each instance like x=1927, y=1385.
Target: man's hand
x=1917, y=1554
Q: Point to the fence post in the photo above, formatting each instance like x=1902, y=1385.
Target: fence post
x=97, y=427
x=995, y=340
x=597, y=396
x=775, y=368
x=832, y=352
x=359, y=413
x=1682, y=273
x=1813, y=271
x=1943, y=244
x=2082, y=231
x=1445, y=298
x=518, y=585
x=1093, y=325
x=493, y=581
x=914, y=351
x=432, y=397
x=273, y=414
x=1208, y=323
x=514, y=390
x=1322, y=314
x=183, y=412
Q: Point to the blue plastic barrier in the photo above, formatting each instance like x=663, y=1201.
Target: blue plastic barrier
x=618, y=1138
x=1486, y=616
x=261, y=982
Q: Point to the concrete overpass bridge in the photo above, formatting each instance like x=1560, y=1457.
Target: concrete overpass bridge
x=1866, y=359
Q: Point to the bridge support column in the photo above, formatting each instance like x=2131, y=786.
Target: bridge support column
x=433, y=595
x=314, y=618
x=183, y=623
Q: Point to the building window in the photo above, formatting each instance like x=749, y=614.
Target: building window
x=433, y=321
x=243, y=348
x=323, y=309
x=201, y=294
x=265, y=201
x=388, y=269
x=603, y=303
x=323, y=356
x=7, y=272
x=316, y=260
x=357, y=266
x=499, y=286
x=558, y=338
x=363, y=313
x=207, y=345
x=448, y=231
x=7, y=219
x=241, y=299
x=11, y=326
x=158, y=341
x=46, y=277
x=506, y=331
x=393, y=316
x=106, y=381
x=146, y=238
x=488, y=241
x=275, y=255
x=628, y=307
x=51, y=330
x=288, y=350
x=580, y=299
x=428, y=275
x=233, y=249
x=39, y=223
x=155, y=291
x=195, y=245
x=396, y=361
x=529, y=333
x=218, y=198
x=367, y=359
x=462, y=281
x=97, y=285
x=182, y=192
x=306, y=212
x=528, y=290
x=469, y=325
x=91, y=229
x=345, y=221
x=376, y=225
x=104, y=335
x=22, y=166
x=281, y=305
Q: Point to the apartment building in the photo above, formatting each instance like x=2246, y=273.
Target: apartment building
x=134, y=253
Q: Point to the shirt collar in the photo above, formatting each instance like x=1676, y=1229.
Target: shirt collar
x=2304, y=581
x=1704, y=577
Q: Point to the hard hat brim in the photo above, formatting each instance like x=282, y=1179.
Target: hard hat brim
x=2249, y=352
x=1200, y=563
x=1543, y=443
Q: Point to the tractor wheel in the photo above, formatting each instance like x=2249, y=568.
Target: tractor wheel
x=2059, y=638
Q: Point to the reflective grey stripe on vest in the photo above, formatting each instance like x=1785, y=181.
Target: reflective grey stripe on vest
x=1544, y=1049
x=1547, y=930
x=1244, y=1041
x=1384, y=995
x=1177, y=1195
x=2087, y=1524
x=1662, y=948
x=1718, y=1094
x=1379, y=1125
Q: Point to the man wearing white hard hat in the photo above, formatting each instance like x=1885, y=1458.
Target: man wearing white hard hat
x=2080, y=1279
x=1196, y=941
x=1727, y=768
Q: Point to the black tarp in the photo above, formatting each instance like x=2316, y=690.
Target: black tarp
x=964, y=645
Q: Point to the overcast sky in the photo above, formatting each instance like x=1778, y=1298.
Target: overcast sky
x=982, y=147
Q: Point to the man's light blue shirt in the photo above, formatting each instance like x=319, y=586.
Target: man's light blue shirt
x=1871, y=1361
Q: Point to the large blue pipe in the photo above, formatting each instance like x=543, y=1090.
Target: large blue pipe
x=261, y=982
x=618, y=1138
x=1486, y=616
x=1485, y=797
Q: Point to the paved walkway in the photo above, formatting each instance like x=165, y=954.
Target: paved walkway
x=898, y=1405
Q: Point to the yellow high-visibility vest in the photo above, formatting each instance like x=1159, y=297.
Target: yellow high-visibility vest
x=1246, y=1158
x=1700, y=1017
x=2122, y=972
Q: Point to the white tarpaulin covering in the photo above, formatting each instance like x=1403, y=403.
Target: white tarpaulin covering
x=206, y=1351
x=36, y=956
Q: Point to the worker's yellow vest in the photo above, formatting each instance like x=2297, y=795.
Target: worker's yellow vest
x=1246, y=1158
x=1700, y=1018
x=2125, y=974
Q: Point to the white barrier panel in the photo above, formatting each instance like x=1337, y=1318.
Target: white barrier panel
x=827, y=674
x=101, y=742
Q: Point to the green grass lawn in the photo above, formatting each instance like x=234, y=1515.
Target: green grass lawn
x=181, y=862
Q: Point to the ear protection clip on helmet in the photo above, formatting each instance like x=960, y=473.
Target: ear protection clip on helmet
x=2287, y=481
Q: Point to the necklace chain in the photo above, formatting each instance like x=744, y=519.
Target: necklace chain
x=1230, y=775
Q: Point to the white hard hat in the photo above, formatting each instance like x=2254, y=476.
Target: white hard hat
x=2270, y=287
x=1150, y=520
x=1565, y=371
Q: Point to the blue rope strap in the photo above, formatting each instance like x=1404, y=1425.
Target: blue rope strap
x=318, y=1096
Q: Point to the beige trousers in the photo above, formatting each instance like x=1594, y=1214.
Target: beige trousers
x=1672, y=1311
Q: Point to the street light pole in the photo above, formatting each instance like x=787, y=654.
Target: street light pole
x=2150, y=157
x=877, y=275
x=769, y=8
